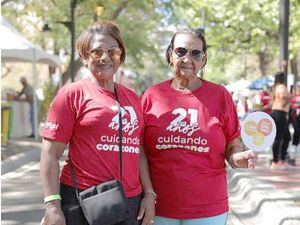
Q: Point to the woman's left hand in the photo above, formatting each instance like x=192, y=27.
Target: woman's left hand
x=246, y=159
x=147, y=209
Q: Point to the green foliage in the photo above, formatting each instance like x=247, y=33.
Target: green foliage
x=234, y=28
x=236, y=31
x=138, y=22
x=49, y=91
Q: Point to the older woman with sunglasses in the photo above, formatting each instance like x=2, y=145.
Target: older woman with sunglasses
x=84, y=115
x=191, y=128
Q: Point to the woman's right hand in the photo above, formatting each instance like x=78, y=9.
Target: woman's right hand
x=54, y=214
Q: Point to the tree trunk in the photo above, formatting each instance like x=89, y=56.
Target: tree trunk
x=263, y=63
x=66, y=75
x=77, y=64
x=294, y=68
x=116, y=13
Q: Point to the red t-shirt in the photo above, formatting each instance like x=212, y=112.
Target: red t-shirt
x=295, y=102
x=86, y=116
x=185, y=138
x=265, y=99
x=295, y=105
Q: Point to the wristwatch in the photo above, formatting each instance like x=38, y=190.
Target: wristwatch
x=150, y=191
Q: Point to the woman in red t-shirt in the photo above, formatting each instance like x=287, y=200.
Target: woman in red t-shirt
x=85, y=115
x=295, y=116
x=191, y=128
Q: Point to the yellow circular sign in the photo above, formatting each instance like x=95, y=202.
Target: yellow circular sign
x=258, y=138
x=251, y=128
x=258, y=131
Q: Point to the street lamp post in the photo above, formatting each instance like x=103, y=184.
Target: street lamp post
x=202, y=28
x=98, y=11
x=72, y=30
x=71, y=26
x=284, y=35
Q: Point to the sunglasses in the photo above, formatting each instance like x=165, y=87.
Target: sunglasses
x=196, y=54
x=97, y=53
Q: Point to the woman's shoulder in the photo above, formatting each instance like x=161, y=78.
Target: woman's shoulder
x=74, y=87
x=215, y=86
x=161, y=86
x=127, y=90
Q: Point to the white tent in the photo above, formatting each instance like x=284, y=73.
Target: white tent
x=239, y=85
x=16, y=48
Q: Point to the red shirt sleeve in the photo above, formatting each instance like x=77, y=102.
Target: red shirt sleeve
x=61, y=118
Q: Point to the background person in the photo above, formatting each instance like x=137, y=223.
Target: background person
x=265, y=99
x=295, y=118
x=28, y=92
x=84, y=114
x=280, y=107
x=191, y=128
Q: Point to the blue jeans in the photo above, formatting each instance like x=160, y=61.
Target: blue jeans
x=32, y=122
x=214, y=220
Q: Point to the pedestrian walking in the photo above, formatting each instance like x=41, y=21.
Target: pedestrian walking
x=295, y=119
x=30, y=97
x=280, y=107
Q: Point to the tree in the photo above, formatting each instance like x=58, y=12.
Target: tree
x=242, y=34
x=137, y=20
x=238, y=29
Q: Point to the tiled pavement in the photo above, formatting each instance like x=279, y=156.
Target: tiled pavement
x=263, y=196
x=257, y=197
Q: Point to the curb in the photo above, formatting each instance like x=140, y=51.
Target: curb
x=18, y=160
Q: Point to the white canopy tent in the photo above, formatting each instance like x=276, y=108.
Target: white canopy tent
x=237, y=86
x=16, y=48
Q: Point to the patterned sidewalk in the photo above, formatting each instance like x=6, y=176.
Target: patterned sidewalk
x=263, y=196
x=257, y=197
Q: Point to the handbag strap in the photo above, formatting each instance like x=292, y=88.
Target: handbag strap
x=120, y=146
x=120, y=132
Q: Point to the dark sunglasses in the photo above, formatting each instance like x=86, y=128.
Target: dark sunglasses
x=97, y=53
x=196, y=54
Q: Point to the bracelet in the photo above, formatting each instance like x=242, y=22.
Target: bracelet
x=52, y=198
x=150, y=191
